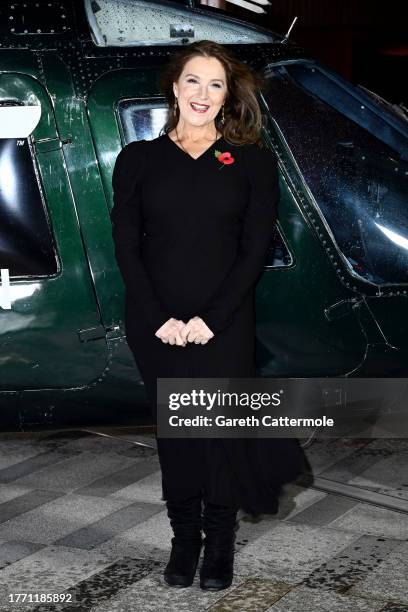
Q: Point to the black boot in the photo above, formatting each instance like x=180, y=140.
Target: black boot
x=186, y=521
x=219, y=527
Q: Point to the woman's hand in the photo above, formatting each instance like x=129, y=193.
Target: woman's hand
x=196, y=331
x=170, y=332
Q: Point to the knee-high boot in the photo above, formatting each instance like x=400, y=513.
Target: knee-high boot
x=186, y=521
x=219, y=526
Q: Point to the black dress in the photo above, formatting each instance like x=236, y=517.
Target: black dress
x=190, y=238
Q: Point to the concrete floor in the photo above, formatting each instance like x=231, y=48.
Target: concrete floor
x=81, y=514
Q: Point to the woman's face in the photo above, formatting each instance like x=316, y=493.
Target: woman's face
x=200, y=90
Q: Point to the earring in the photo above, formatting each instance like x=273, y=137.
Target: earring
x=223, y=117
x=175, y=107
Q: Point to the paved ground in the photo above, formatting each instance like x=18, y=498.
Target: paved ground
x=81, y=513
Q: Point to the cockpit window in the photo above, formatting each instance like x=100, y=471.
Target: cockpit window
x=353, y=156
x=116, y=23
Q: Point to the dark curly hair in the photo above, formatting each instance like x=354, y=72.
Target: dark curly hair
x=243, y=117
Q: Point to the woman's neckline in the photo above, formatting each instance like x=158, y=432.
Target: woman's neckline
x=188, y=154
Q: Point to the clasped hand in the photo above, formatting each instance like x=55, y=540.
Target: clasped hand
x=175, y=331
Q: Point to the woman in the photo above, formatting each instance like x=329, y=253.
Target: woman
x=193, y=216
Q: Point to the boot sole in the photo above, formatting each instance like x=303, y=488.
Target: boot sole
x=177, y=584
x=215, y=588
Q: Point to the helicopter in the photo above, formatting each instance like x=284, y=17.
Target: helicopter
x=78, y=81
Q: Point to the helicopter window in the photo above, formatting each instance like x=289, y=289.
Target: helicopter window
x=134, y=22
x=353, y=158
x=278, y=254
x=26, y=244
x=143, y=120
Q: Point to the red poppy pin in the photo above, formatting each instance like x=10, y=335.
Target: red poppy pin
x=225, y=158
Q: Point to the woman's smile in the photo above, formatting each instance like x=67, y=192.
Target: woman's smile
x=199, y=108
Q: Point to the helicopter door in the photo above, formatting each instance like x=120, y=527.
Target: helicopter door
x=50, y=331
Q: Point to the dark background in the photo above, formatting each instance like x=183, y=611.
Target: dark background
x=365, y=41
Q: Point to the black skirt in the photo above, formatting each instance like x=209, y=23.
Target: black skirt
x=245, y=473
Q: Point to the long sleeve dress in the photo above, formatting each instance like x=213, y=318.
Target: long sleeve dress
x=190, y=238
